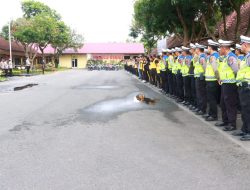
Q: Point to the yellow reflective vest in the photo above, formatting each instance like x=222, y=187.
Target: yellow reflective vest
x=185, y=70
x=243, y=75
x=170, y=62
x=152, y=65
x=209, y=73
x=198, y=70
x=226, y=73
x=162, y=66
x=158, y=68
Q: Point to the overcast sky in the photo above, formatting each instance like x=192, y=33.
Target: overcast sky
x=97, y=20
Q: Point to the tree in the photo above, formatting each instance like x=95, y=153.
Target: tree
x=32, y=8
x=149, y=40
x=236, y=5
x=225, y=9
x=23, y=33
x=190, y=20
x=65, y=39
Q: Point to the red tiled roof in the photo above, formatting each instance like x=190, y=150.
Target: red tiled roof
x=174, y=41
x=231, y=22
x=4, y=45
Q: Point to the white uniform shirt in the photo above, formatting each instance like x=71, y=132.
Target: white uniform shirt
x=28, y=62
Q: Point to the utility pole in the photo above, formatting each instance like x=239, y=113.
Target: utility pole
x=10, y=41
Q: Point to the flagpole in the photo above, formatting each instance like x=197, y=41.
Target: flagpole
x=10, y=40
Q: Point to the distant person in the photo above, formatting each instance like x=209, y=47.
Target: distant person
x=10, y=67
x=28, y=65
x=1, y=64
x=5, y=67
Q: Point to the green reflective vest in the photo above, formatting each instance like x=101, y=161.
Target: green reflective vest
x=185, y=70
x=175, y=67
x=243, y=75
x=170, y=62
x=198, y=70
x=243, y=64
x=162, y=66
x=226, y=73
x=209, y=73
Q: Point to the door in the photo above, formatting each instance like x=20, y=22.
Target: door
x=74, y=63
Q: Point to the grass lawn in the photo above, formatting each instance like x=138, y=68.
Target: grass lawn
x=2, y=79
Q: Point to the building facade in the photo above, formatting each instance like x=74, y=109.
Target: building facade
x=107, y=52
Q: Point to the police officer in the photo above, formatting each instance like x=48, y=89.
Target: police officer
x=185, y=74
x=163, y=71
x=227, y=74
x=146, y=69
x=140, y=68
x=200, y=84
x=174, y=72
x=193, y=105
x=178, y=75
x=243, y=79
x=158, y=71
x=212, y=85
x=153, y=72
x=170, y=63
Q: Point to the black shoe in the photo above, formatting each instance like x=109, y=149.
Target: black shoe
x=196, y=110
x=210, y=118
x=221, y=124
x=187, y=104
x=179, y=101
x=183, y=102
x=229, y=128
x=206, y=116
x=193, y=108
x=246, y=137
x=200, y=113
x=239, y=133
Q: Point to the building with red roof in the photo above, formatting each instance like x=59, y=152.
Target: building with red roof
x=108, y=52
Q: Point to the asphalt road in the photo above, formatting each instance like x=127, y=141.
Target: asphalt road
x=80, y=130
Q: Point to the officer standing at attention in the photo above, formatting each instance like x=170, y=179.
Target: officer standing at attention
x=193, y=105
x=179, y=79
x=185, y=74
x=227, y=74
x=140, y=71
x=170, y=64
x=212, y=77
x=174, y=72
x=243, y=79
x=158, y=71
x=163, y=71
x=200, y=83
x=153, y=72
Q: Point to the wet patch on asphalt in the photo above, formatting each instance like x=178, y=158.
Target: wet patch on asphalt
x=20, y=127
x=110, y=109
x=18, y=88
x=97, y=87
